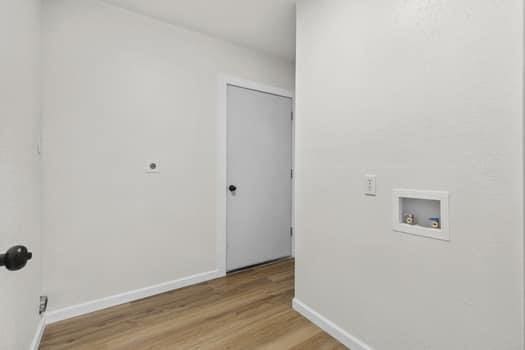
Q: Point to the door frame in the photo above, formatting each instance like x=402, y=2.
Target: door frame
x=222, y=160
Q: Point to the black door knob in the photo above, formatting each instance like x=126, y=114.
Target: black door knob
x=15, y=258
x=232, y=188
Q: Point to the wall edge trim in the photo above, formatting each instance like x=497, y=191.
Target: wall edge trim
x=35, y=344
x=126, y=297
x=330, y=327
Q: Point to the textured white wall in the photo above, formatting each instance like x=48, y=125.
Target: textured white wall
x=19, y=168
x=122, y=89
x=427, y=95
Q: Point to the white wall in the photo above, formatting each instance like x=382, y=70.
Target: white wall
x=19, y=168
x=121, y=90
x=427, y=95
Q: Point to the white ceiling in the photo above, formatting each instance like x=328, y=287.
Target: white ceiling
x=266, y=25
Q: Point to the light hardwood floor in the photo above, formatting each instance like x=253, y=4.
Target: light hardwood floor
x=246, y=310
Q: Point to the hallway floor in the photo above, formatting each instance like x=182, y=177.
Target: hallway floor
x=247, y=310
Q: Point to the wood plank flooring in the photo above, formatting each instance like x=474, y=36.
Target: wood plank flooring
x=247, y=310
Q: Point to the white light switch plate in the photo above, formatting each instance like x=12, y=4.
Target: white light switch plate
x=370, y=185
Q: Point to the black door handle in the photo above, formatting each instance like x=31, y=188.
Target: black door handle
x=15, y=258
x=232, y=188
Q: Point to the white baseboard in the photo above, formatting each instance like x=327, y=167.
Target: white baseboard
x=35, y=344
x=104, y=303
x=329, y=327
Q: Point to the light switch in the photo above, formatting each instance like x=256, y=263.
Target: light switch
x=370, y=185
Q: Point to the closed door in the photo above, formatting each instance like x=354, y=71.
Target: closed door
x=259, y=204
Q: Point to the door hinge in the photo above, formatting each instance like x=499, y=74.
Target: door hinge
x=291, y=231
x=292, y=115
x=291, y=174
x=43, y=304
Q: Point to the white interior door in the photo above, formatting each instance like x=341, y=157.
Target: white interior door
x=259, y=204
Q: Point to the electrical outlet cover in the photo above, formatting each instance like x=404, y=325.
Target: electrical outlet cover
x=153, y=167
